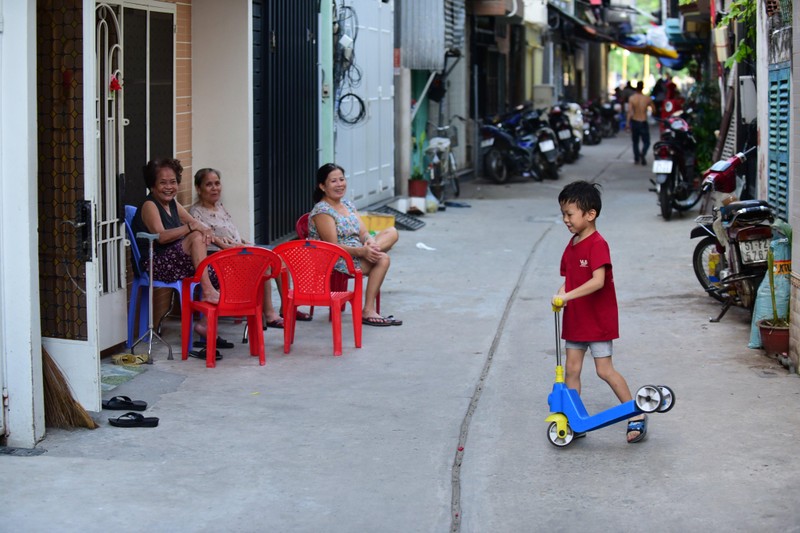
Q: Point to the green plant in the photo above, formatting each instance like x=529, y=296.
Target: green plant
x=776, y=321
x=417, y=174
x=744, y=12
x=704, y=100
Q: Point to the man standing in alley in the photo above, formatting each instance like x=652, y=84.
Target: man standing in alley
x=637, y=123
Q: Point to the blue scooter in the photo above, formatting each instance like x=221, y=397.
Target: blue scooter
x=569, y=416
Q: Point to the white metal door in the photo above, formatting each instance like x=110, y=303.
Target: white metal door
x=98, y=225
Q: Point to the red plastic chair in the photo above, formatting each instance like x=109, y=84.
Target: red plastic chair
x=339, y=280
x=310, y=264
x=242, y=273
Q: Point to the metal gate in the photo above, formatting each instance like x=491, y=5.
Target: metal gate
x=285, y=109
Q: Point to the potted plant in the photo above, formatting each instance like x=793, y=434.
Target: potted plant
x=774, y=331
x=417, y=186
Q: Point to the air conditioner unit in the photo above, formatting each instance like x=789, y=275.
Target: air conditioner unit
x=748, y=104
x=543, y=96
x=536, y=12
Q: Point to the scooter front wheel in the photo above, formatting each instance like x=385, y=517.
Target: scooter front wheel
x=648, y=398
x=559, y=440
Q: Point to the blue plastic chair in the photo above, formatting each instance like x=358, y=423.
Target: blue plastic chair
x=141, y=280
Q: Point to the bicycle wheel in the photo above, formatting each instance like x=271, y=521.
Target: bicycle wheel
x=452, y=175
x=437, y=182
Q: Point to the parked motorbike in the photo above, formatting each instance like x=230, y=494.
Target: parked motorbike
x=730, y=260
x=609, y=113
x=567, y=141
x=591, y=125
x=674, y=166
x=723, y=180
x=546, y=152
x=504, y=153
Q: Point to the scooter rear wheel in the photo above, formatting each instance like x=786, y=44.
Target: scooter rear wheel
x=702, y=251
x=559, y=440
x=648, y=398
x=667, y=399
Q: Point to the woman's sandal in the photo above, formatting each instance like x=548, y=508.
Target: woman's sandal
x=201, y=354
x=378, y=321
x=134, y=420
x=221, y=343
x=637, y=425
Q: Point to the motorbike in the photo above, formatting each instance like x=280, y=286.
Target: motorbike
x=591, y=125
x=609, y=117
x=505, y=153
x=567, y=141
x=674, y=166
x=730, y=260
x=546, y=152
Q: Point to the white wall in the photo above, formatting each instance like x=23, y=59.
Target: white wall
x=222, y=104
x=366, y=149
x=20, y=332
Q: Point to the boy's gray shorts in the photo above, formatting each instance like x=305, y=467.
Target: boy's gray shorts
x=599, y=349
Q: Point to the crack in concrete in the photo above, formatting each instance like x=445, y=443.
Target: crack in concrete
x=455, y=504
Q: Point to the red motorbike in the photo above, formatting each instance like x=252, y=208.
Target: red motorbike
x=731, y=258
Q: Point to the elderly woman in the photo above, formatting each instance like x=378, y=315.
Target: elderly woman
x=209, y=210
x=182, y=241
x=335, y=219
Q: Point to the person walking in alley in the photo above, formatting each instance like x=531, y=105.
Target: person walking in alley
x=589, y=298
x=637, y=123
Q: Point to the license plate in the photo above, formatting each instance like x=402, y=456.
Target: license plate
x=662, y=166
x=487, y=142
x=754, y=251
x=547, y=145
x=564, y=134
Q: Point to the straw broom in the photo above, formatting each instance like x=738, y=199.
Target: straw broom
x=60, y=408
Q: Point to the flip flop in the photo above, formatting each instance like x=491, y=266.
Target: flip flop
x=277, y=324
x=134, y=420
x=123, y=403
x=394, y=321
x=221, y=343
x=377, y=321
x=302, y=317
x=201, y=354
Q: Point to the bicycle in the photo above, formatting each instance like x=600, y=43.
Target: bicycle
x=442, y=161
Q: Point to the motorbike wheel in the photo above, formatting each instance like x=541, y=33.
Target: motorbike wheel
x=549, y=170
x=665, y=194
x=704, y=248
x=495, y=165
x=685, y=197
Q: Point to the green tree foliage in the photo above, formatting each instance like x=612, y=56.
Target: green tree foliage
x=744, y=12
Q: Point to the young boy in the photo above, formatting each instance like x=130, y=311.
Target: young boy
x=591, y=316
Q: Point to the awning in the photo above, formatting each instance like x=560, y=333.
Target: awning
x=639, y=44
x=575, y=27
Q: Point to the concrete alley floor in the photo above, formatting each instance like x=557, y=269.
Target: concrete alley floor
x=369, y=441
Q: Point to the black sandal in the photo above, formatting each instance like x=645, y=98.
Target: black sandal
x=221, y=343
x=201, y=354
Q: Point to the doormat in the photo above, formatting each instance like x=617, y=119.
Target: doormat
x=401, y=220
x=112, y=376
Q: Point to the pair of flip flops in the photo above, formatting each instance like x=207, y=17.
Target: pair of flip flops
x=134, y=420
x=275, y=324
x=123, y=403
x=381, y=321
x=221, y=343
x=201, y=354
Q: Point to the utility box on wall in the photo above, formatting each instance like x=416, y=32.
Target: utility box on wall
x=747, y=99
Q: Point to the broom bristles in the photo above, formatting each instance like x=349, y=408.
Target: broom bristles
x=60, y=408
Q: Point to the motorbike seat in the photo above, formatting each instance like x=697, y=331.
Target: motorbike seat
x=746, y=210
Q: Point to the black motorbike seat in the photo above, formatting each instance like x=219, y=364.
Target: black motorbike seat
x=746, y=210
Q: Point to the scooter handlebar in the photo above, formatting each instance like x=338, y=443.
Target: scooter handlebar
x=557, y=304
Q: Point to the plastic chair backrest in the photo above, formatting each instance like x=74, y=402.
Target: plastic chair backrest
x=241, y=273
x=136, y=255
x=301, y=227
x=311, y=263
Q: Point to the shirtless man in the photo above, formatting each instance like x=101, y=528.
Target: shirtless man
x=637, y=123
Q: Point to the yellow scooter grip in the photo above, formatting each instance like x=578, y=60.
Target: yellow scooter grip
x=558, y=304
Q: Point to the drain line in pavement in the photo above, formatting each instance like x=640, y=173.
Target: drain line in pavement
x=455, y=504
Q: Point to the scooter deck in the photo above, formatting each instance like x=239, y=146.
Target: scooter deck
x=568, y=402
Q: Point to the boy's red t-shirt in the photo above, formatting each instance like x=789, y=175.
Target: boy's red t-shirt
x=594, y=317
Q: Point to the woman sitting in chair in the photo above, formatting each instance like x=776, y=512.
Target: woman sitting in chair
x=182, y=241
x=209, y=210
x=335, y=219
